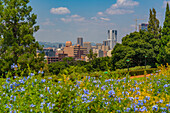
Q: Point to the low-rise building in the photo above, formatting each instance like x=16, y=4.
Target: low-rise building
x=75, y=51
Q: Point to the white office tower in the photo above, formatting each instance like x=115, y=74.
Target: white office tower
x=112, y=38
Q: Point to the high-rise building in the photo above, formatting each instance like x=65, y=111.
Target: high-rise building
x=143, y=26
x=87, y=45
x=105, y=43
x=112, y=38
x=80, y=41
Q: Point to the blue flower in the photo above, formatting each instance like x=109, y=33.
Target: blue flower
x=32, y=105
x=166, y=85
x=22, y=89
x=161, y=101
x=43, y=80
x=136, y=109
x=86, y=92
x=131, y=98
x=118, y=111
x=111, y=92
x=127, y=110
x=35, y=80
x=49, y=77
x=103, y=88
x=40, y=72
x=31, y=74
x=41, y=95
x=8, y=80
x=13, y=66
x=21, y=81
x=168, y=105
x=144, y=101
x=94, y=81
x=143, y=109
x=14, y=98
x=155, y=107
x=147, y=97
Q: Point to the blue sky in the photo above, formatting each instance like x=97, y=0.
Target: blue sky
x=65, y=20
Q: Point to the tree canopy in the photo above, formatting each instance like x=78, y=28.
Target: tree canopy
x=17, y=26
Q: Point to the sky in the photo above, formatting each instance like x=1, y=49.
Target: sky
x=65, y=20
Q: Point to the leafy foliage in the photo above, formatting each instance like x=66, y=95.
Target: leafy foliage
x=17, y=26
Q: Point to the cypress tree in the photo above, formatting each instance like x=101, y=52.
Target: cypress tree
x=153, y=26
x=166, y=28
x=18, y=45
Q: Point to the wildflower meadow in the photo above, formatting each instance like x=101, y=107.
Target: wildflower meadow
x=39, y=94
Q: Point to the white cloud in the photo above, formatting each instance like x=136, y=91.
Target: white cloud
x=165, y=3
x=60, y=10
x=75, y=18
x=119, y=11
x=94, y=18
x=100, y=13
x=105, y=19
x=122, y=7
x=47, y=22
x=125, y=3
x=100, y=19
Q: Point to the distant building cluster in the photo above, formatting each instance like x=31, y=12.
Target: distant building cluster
x=80, y=50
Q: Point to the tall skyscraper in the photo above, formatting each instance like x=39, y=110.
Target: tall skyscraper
x=80, y=41
x=112, y=38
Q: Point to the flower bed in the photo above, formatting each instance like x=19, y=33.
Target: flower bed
x=37, y=94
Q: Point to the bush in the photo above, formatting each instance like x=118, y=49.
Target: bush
x=136, y=72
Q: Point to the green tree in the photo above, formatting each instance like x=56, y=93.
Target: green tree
x=163, y=56
x=91, y=56
x=167, y=49
x=135, y=47
x=17, y=26
x=153, y=26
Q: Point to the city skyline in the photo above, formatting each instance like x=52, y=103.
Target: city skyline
x=63, y=20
